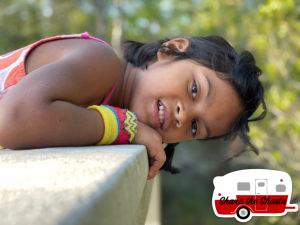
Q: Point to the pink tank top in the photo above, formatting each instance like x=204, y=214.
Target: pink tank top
x=12, y=64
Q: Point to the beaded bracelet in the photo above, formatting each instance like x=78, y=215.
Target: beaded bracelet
x=120, y=125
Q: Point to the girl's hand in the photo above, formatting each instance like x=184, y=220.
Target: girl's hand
x=149, y=137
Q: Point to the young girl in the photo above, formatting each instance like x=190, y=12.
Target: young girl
x=73, y=90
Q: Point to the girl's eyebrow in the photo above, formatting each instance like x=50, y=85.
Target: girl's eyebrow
x=208, y=132
x=208, y=93
x=207, y=98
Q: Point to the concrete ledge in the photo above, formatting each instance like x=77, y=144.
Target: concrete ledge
x=75, y=185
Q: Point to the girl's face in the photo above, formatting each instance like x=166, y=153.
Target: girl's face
x=198, y=104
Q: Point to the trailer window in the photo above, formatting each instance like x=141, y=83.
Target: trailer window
x=243, y=186
x=280, y=188
x=261, y=184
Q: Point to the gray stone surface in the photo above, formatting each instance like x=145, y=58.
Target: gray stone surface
x=74, y=185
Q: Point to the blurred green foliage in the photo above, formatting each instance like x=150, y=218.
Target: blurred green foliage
x=268, y=28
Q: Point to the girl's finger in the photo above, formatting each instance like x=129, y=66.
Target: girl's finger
x=151, y=175
x=156, y=165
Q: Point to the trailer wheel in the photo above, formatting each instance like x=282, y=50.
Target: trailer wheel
x=243, y=213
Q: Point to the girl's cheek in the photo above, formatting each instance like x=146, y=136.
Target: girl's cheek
x=172, y=136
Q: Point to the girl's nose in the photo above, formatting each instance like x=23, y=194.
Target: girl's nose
x=180, y=115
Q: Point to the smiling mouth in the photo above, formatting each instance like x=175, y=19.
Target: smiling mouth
x=161, y=113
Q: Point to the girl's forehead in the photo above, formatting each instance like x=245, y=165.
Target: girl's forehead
x=191, y=64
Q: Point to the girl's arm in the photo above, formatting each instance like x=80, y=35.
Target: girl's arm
x=42, y=110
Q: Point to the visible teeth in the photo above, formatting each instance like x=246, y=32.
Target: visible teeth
x=161, y=112
x=161, y=115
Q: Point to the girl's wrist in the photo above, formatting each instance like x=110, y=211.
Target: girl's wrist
x=120, y=125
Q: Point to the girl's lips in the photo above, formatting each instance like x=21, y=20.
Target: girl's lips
x=155, y=117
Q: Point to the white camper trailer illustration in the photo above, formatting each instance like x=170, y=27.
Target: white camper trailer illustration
x=252, y=192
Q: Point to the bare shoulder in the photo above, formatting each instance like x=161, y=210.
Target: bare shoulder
x=52, y=51
x=95, y=56
x=100, y=63
x=75, y=70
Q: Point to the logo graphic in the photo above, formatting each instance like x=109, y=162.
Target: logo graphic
x=253, y=192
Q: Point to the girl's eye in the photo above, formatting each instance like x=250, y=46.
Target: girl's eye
x=194, y=127
x=194, y=123
x=194, y=89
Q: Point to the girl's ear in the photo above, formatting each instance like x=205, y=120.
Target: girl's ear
x=173, y=45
